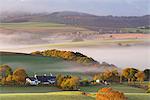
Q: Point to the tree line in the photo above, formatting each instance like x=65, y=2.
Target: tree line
x=68, y=55
x=10, y=77
x=128, y=74
x=67, y=82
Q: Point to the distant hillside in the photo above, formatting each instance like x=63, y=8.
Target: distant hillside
x=80, y=19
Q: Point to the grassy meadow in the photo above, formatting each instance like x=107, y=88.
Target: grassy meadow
x=65, y=96
x=120, y=87
x=40, y=65
x=40, y=27
x=46, y=96
x=52, y=93
x=135, y=30
x=29, y=25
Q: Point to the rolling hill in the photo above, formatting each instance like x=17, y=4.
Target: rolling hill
x=42, y=64
x=79, y=19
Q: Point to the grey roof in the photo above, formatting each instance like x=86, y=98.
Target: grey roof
x=46, y=78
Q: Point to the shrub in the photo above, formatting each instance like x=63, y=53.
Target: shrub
x=109, y=94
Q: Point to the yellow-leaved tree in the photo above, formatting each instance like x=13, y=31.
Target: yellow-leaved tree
x=19, y=76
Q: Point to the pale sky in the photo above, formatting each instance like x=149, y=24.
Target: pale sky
x=98, y=7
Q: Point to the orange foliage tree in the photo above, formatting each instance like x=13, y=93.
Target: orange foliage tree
x=68, y=82
x=110, y=94
x=19, y=76
x=129, y=73
x=140, y=76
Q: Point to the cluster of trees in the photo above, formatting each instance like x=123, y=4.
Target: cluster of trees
x=109, y=75
x=8, y=77
x=130, y=74
x=109, y=94
x=68, y=55
x=68, y=82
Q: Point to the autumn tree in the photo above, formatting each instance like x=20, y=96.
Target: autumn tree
x=109, y=94
x=99, y=76
x=67, y=82
x=3, y=81
x=5, y=70
x=59, y=80
x=129, y=73
x=140, y=76
x=109, y=75
x=113, y=76
x=9, y=78
x=70, y=83
x=19, y=76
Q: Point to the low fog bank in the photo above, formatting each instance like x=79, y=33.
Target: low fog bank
x=13, y=39
x=132, y=56
x=122, y=57
x=128, y=56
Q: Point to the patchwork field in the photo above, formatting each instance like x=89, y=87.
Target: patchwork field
x=45, y=34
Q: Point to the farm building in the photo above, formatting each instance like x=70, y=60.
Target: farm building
x=41, y=79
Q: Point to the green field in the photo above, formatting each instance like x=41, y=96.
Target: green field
x=123, y=88
x=38, y=26
x=135, y=30
x=90, y=89
x=46, y=96
x=28, y=89
x=137, y=96
x=30, y=25
x=64, y=96
x=53, y=93
x=39, y=64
